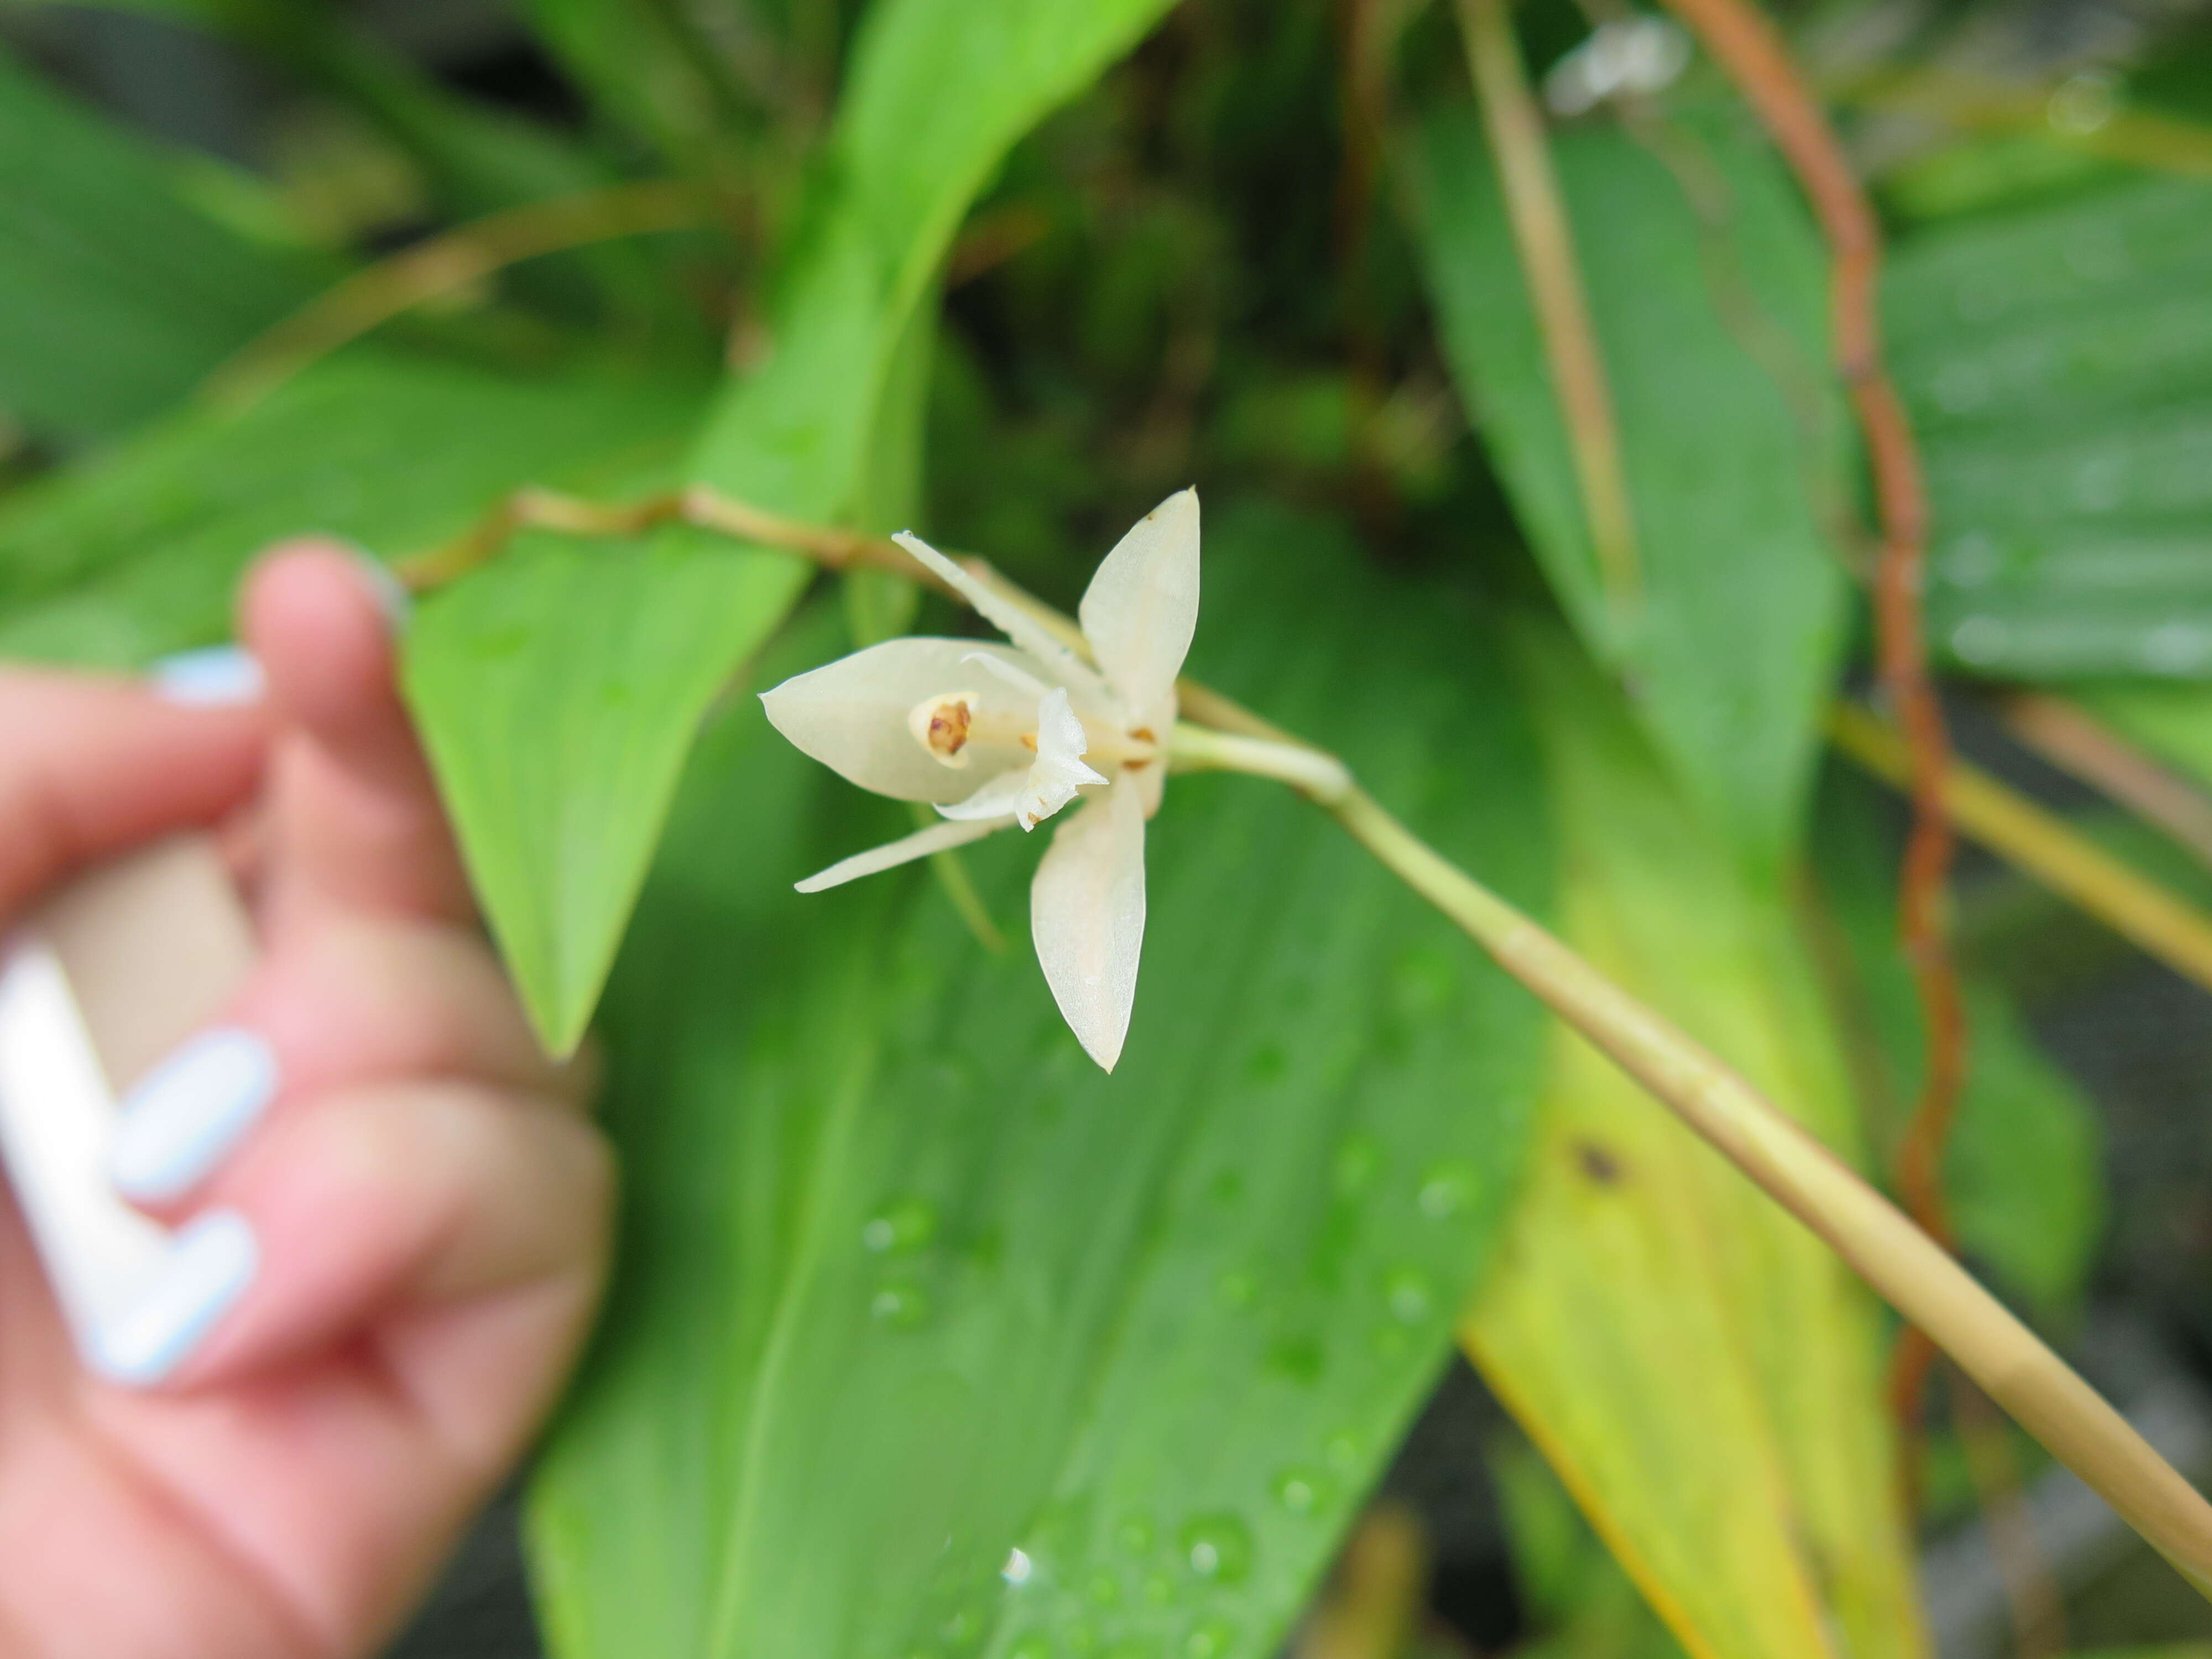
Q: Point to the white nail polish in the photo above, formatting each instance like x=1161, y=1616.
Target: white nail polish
x=219, y=676
x=102, y=983
x=207, y=1267
x=186, y=1114
x=391, y=595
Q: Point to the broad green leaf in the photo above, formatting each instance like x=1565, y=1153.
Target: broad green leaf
x=120, y=297
x=2057, y=365
x=589, y=664
x=933, y=103
x=908, y=1284
x=1712, y=339
x=1701, y=1371
x=2023, y=1171
x=137, y=553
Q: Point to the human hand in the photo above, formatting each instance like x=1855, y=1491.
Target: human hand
x=392, y=1209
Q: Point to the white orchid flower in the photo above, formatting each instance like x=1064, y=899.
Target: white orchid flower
x=996, y=735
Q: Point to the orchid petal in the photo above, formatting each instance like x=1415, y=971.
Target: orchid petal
x=1028, y=685
x=937, y=838
x=851, y=715
x=1061, y=666
x=1141, y=607
x=999, y=798
x=1151, y=780
x=1087, y=918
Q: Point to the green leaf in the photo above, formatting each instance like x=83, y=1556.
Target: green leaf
x=2023, y=1171
x=1700, y=1370
x=930, y=107
x=2057, y=366
x=586, y=664
x=138, y=553
x=119, y=297
x=1711, y=337
x=908, y=1284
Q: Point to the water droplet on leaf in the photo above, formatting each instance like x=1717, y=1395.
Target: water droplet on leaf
x=1219, y=1549
x=1980, y=640
x=1447, y=1190
x=1409, y=1294
x=903, y=1306
x=901, y=1227
x=1303, y=1491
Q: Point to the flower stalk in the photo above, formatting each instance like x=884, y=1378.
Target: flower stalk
x=1321, y=777
x=1903, y=1264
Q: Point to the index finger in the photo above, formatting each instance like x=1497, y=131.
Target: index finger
x=357, y=824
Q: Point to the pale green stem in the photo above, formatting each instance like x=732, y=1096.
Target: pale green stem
x=1201, y=749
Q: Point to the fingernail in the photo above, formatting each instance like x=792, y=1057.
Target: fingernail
x=391, y=595
x=186, y=1114
x=219, y=676
x=200, y=1278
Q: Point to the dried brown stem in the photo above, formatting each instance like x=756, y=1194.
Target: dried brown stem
x=2069, y=738
x=446, y=265
x=707, y=509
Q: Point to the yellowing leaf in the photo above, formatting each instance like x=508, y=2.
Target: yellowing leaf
x=1700, y=1370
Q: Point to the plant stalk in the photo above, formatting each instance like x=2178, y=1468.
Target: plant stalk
x=1201, y=749
x=1546, y=244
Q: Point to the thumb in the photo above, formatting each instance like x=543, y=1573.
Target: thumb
x=356, y=823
